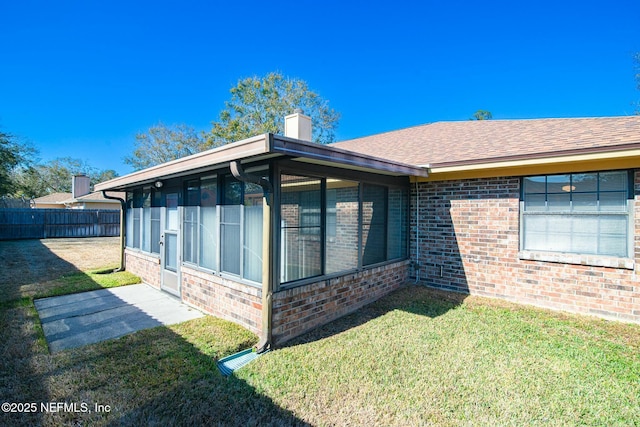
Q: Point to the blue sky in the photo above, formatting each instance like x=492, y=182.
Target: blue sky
x=81, y=78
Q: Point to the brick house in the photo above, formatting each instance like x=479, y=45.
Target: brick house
x=281, y=235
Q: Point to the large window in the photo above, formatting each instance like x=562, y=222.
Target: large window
x=330, y=225
x=143, y=220
x=208, y=231
x=343, y=235
x=301, y=226
x=583, y=213
x=223, y=237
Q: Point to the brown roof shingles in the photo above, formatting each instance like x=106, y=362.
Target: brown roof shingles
x=469, y=142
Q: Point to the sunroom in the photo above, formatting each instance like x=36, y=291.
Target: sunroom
x=275, y=233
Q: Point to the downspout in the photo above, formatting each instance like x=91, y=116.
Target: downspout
x=123, y=209
x=267, y=257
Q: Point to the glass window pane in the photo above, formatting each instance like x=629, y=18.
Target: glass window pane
x=558, y=183
x=614, y=181
x=253, y=195
x=397, y=225
x=535, y=202
x=582, y=234
x=146, y=229
x=374, y=221
x=583, y=231
x=190, y=236
x=136, y=227
x=129, y=227
x=585, y=201
x=252, y=261
x=208, y=191
x=171, y=203
x=232, y=191
x=300, y=216
x=230, y=239
x=584, y=182
x=559, y=202
x=300, y=255
x=535, y=232
x=208, y=238
x=535, y=184
x=342, y=225
x=155, y=230
x=171, y=251
x=614, y=201
x=192, y=193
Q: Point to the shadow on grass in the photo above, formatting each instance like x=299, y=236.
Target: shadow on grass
x=28, y=269
x=160, y=376
x=415, y=299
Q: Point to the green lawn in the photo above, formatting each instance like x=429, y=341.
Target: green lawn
x=416, y=357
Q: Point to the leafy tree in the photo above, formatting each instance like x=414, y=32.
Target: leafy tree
x=259, y=104
x=163, y=143
x=56, y=177
x=482, y=115
x=13, y=156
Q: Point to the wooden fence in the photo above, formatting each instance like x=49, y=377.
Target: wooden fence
x=46, y=223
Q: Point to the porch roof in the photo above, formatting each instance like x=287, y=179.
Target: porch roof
x=263, y=147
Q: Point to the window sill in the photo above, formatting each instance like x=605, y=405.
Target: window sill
x=578, y=259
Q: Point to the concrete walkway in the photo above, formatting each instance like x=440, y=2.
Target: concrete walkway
x=76, y=320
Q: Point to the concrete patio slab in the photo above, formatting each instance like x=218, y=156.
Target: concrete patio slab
x=76, y=320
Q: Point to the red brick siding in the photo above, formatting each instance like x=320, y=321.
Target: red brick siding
x=145, y=266
x=303, y=308
x=223, y=298
x=468, y=242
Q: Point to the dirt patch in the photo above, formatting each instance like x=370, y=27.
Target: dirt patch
x=29, y=264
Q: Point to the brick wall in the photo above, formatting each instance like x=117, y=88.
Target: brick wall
x=223, y=298
x=145, y=266
x=468, y=242
x=303, y=308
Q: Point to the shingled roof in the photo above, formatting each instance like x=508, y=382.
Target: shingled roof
x=472, y=142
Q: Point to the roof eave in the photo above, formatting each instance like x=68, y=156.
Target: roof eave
x=246, y=148
x=325, y=154
x=260, y=147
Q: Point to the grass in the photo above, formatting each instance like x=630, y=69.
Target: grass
x=416, y=357
x=423, y=360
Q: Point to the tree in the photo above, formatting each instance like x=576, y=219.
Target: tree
x=56, y=176
x=163, y=143
x=13, y=156
x=259, y=104
x=482, y=115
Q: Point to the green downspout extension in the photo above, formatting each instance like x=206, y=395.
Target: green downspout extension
x=123, y=209
x=267, y=257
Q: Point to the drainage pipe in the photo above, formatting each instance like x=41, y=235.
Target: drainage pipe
x=267, y=255
x=123, y=209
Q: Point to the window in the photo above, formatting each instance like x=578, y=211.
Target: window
x=331, y=225
x=223, y=237
x=374, y=224
x=134, y=203
x=397, y=224
x=252, y=248
x=300, y=219
x=190, y=222
x=343, y=232
x=143, y=220
x=208, y=232
x=583, y=213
